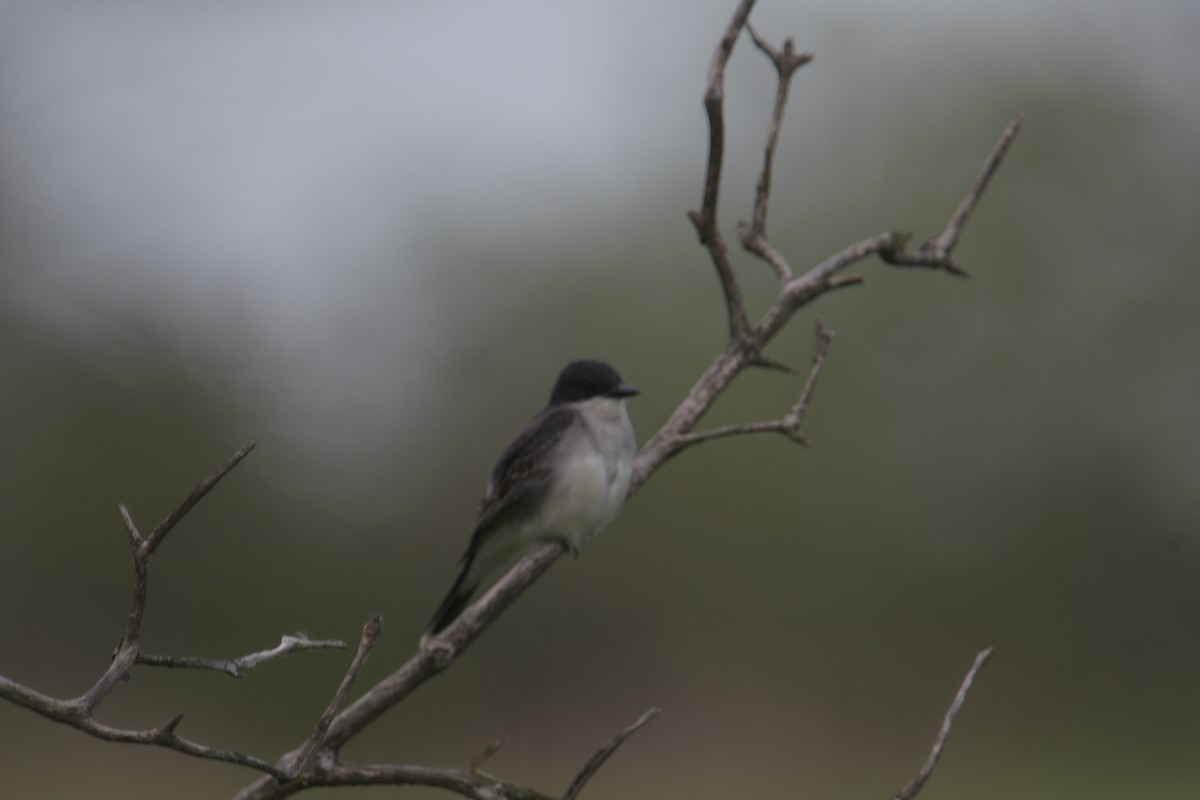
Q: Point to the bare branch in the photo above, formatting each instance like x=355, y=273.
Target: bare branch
x=705, y=219
x=134, y=536
x=75, y=714
x=596, y=761
x=316, y=739
x=825, y=334
x=766, y=362
x=741, y=429
x=910, y=791
x=714, y=99
x=845, y=280
x=470, y=783
x=756, y=243
x=944, y=243
x=786, y=61
x=935, y=253
x=791, y=423
x=236, y=667
x=441, y=651
x=78, y=712
x=143, y=548
x=196, y=496
x=753, y=236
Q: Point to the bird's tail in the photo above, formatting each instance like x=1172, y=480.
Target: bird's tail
x=456, y=600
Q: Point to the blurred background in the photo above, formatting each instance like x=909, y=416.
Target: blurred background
x=367, y=235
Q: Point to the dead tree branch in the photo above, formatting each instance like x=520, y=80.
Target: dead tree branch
x=475, y=784
x=960, y=697
x=753, y=236
x=79, y=712
x=596, y=761
x=705, y=219
x=316, y=739
x=472, y=781
x=791, y=423
x=236, y=667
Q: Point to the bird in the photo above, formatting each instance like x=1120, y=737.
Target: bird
x=564, y=476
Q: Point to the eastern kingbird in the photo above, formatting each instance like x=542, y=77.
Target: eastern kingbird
x=565, y=476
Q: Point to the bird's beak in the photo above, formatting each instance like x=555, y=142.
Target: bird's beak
x=624, y=390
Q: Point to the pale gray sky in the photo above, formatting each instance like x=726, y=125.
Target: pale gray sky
x=266, y=180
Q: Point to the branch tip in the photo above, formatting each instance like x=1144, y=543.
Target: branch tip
x=766, y=362
x=189, y=502
x=597, y=760
x=167, y=729
x=135, y=538
x=317, y=739
x=787, y=60
x=912, y=789
x=842, y=281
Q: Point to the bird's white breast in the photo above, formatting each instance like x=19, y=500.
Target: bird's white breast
x=593, y=477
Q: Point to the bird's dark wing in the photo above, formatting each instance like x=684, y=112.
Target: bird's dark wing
x=522, y=475
x=519, y=481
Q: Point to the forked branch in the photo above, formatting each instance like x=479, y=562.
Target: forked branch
x=754, y=235
x=790, y=424
x=316, y=740
x=78, y=712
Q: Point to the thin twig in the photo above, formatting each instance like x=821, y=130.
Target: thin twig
x=236, y=667
x=134, y=536
x=739, y=429
x=935, y=253
x=196, y=496
x=143, y=549
x=910, y=791
x=945, y=242
x=756, y=242
x=596, y=761
x=790, y=424
x=754, y=235
x=442, y=651
x=766, y=362
x=714, y=99
x=71, y=712
x=825, y=334
x=474, y=784
x=316, y=739
x=78, y=712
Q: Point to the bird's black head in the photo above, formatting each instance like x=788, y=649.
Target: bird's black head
x=585, y=379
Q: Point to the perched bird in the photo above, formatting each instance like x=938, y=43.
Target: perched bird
x=564, y=476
